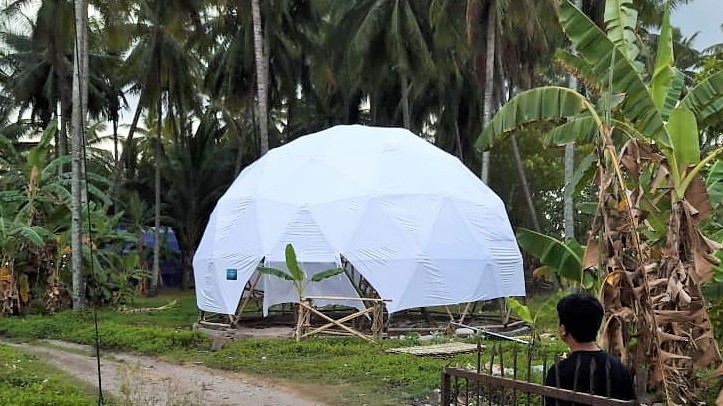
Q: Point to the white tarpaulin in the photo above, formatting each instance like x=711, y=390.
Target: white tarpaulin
x=412, y=219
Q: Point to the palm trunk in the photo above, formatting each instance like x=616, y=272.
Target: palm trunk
x=489, y=83
x=129, y=138
x=156, y=271
x=82, y=34
x=119, y=168
x=115, y=141
x=457, y=137
x=261, y=77
x=525, y=185
x=568, y=202
x=406, y=115
x=77, y=155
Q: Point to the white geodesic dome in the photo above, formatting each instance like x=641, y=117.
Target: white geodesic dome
x=412, y=219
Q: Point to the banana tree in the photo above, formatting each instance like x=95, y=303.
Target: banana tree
x=651, y=195
x=15, y=238
x=296, y=274
x=299, y=278
x=563, y=259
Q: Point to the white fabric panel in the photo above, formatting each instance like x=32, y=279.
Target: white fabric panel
x=412, y=219
x=282, y=291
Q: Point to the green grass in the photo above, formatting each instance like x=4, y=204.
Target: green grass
x=25, y=380
x=339, y=371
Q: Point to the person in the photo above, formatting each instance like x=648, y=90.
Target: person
x=588, y=368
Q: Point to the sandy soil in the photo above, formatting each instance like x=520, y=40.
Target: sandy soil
x=148, y=381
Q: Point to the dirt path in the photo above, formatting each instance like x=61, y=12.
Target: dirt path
x=147, y=381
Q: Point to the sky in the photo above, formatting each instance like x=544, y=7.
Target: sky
x=705, y=16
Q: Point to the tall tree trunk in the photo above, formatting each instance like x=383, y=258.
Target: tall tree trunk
x=129, y=138
x=568, y=201
x=115, y=142
x=489, y=83
x=457, y=137
x=406, y=115
x=525, y=185
x=156, y=271
x=119, y=167
x=77, y=158
x=82, y=35
x=261, y=77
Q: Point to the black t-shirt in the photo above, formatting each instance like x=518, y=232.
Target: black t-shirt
x=595, y=372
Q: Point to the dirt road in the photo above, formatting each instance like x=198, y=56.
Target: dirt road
x=140, y=380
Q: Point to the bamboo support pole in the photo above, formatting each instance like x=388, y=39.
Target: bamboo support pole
x=334, y=322
x=247, y=299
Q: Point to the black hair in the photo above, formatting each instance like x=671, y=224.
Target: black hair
x=581, y=314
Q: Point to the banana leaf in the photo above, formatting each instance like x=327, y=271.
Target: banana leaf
x=585, y=170
x=714, y=183
x=541, y=104
x=35, y=234
x=600, y=52
x=38, y=154
x=275, y=272
x=580, y=129
x=326, y=274
x=663, y=73
x=579, y=67
x=683, y=131
x=565, y=259
x=294, y=269
x=620, y=22
x=706, y=101
x=520, y=310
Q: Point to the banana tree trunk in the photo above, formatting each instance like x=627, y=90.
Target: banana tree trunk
x=77, y=158
x=261, y=77
x=489, y=83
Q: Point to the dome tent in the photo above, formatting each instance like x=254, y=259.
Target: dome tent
x=420, y=227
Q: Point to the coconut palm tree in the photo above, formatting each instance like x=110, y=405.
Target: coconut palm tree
x=262, y=76
x=160, y=68
x=197, y=173
x=380, y=37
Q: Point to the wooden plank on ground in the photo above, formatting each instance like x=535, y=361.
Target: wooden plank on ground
x=436, y=350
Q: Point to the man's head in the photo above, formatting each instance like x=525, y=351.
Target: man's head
x=580, y=316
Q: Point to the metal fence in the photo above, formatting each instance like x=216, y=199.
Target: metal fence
x=500, y=380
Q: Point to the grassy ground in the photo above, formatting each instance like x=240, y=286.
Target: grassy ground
x=26, y=381
x=341, y=371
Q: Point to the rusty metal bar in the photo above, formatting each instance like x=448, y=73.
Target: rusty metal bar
x=537, y=389
x=446, y=389
x=502, y=372
x=529, y=372
x=489, y=383
x=514, y=374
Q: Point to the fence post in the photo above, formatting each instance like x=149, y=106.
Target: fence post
x=446, y=388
